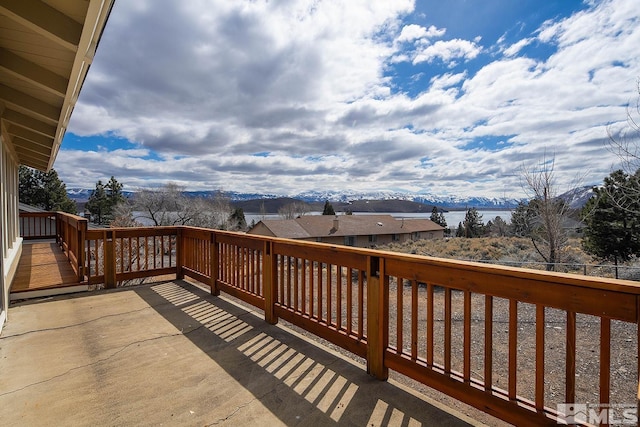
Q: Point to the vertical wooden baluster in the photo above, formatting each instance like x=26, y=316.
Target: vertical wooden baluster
x=303, y=285
x=540, y=328
x=360, y=304
x=488, y=342
x=414, y=320
x=155, y=250
x=138, y=255
x=570, y=391
x=329, y=293
x=296, y=285
x=430, y=325
x=513, y=348
x=252, y=271
x=120, y=252
x=349, y=319
x=339, y=296
x=268, y=279
x=281, y=267
x=605, y=360
x=319, y=289
x=227, y=263
x=162, y=249
x=312, y=269
x=245, y=269
x=256, y=272
x=399, y=317
x=289, y=281
x=214, y=260
x=130, y=254
x=467, y=338
x=447, y=330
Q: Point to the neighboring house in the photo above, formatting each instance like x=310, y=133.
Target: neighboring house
x=350, y=230
x=47, y=48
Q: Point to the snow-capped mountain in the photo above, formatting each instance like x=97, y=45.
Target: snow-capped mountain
x=578, y=196
x=427, y=199
x=452, y=202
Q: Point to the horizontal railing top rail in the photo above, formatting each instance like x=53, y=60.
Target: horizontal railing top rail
x=439, y=321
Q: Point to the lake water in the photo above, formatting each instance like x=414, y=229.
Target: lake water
x=453, y=218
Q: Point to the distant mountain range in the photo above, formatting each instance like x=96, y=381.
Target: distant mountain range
x=363, y=201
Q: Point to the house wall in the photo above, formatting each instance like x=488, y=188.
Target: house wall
x=437, y=234
x=383, y=239
x=11, y=242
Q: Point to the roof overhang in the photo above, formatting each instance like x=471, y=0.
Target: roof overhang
x=46, y=48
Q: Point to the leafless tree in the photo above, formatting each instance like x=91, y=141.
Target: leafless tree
x=169, y=205
x=625, y=144
x=293, y=210
x=546, y=211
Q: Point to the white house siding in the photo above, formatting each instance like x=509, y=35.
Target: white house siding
x=11, y=245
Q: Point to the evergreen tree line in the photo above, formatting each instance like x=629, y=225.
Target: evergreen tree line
x=44, y=190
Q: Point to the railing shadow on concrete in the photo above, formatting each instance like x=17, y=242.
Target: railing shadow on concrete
x=295, y=379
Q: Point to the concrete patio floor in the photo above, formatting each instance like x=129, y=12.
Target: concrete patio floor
x=171, y=354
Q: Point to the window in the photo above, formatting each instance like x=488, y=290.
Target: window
x=373, y=238
x=395, y=238
x=350, y=240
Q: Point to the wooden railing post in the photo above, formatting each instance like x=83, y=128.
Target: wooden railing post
x=109, y=261
x=179, y=255
x=213, y=252
x=269, y=283
x=377, y=318
x=80, y=255
x=58, y=228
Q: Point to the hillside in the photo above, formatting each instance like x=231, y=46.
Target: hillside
x=514, y=251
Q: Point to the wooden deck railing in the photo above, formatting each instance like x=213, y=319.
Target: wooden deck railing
x=37, y=225
x=514, y=343
x=121, y=254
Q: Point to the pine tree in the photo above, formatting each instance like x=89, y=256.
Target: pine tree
x=237, y=220
x=473, y=225
x=438, y=218
x=114, y=194
x=328, y=209
x=97, y=203
x=44, y=190
x=613, y=233
x=104, y=199
x=521, y=220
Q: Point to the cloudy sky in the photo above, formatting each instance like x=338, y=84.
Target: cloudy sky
x=281, y=97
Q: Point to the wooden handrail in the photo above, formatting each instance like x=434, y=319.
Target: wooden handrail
x=431, y=319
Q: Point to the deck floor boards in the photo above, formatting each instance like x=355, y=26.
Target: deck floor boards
x=43, y=265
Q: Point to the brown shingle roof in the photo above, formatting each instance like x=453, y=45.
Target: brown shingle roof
x=313, y=226
x=286, y=228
